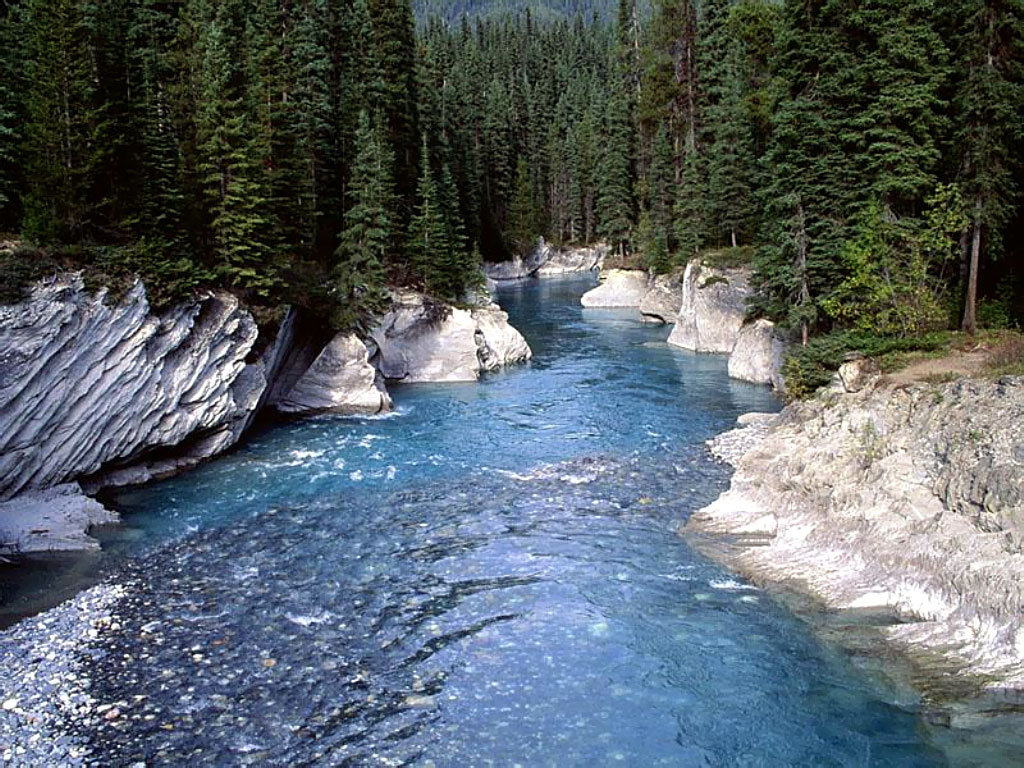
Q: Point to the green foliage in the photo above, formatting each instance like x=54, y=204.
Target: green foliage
x=808, y=368
x=893, y=267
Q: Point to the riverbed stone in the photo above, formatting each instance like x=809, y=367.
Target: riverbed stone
x=664, y=299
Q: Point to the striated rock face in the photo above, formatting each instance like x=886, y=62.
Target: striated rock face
x=340, y=380
x=421, y=341
x=758, y=355
x=905, y=503
x=619, y=288
x=713, y=309
x=546, y=260
x=87, y=385
x=663, y=300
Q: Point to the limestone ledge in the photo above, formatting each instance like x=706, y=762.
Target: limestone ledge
x=905, y=503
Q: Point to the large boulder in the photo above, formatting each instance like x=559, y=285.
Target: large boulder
x=664, y=299
x=758, y=355
x=619, y=288
x=713, y=308
x=341, y=380
x=89, y=384
x=420, y=340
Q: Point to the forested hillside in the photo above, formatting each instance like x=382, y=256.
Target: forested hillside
x=866, y=154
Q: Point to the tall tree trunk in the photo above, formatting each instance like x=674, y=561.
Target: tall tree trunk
x=970, y=324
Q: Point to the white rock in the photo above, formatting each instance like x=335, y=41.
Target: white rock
x=55, y=519
x=341, y=380
x=420, y=340
x=713, y=309
x=86, y=383
x=664, y=299
x=758, y=355
x=619, y=288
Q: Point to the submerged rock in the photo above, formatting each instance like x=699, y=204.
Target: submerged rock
x=619, y=288
x=421, y=340
x=910, y=499
x=713, y=308
x=88, y=384
x=758, y=355
x=341, y=380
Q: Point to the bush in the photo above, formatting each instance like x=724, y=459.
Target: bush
x=807, y=369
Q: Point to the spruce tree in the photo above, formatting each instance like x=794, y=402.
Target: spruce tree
x=615, y=205
x=358, y=276
x=429, y=247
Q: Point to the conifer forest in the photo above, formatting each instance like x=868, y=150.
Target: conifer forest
x=864, y=155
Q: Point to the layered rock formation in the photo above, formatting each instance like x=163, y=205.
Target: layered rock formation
x=97, y=393
x=905, y=504
x=86, y=383
x=422, y=341
x=619, y=288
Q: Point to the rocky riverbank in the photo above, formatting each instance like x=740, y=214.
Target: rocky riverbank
x=902, y=506
x=97, y=392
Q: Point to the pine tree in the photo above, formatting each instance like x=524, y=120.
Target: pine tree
x=614, y=205
x=65, y=131
x=522, y=214
x=429, y=247
x=661, y=202
x=989, y=101
x=358, y=276
x=10, y=121
x=689, y=208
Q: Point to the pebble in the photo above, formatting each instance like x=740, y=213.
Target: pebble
x=41, y=690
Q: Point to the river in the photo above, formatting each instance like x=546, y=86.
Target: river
x=491, y=575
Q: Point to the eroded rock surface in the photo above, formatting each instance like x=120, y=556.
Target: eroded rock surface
x=713, y=309
x=547, y=260
x=422, y=341
x=51, y=520
x=664, y=299
x=619, y=288
x=341, y=380
x=87, y=383
x=758, y=355
x=902, y=501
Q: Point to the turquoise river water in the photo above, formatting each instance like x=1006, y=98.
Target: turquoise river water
x=489, y=576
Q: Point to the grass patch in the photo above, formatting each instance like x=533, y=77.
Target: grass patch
x=1007, y=355
x=807, y=369
x=729, y=258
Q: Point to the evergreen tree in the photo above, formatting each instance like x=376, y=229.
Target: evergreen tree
x=358, y=275
x=429, y=246
x=989, y=102
x=614, y=205
x=661, y=203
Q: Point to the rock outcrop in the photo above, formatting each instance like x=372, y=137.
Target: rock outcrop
x=51, y=520
x=619, y=288
x=663, y=300
x=423, y=341
x=901, y=503
x=545, y=260
x=712, y=310
x=89, y=385
x=340, y=380
x=758, y=355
